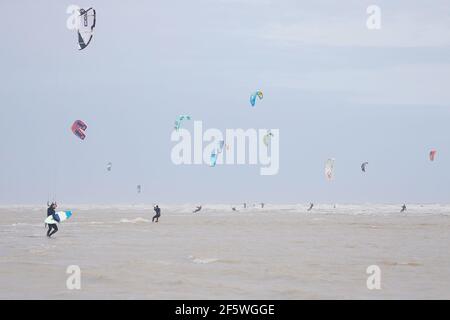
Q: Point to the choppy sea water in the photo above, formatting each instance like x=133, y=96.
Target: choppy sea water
x=279, y=252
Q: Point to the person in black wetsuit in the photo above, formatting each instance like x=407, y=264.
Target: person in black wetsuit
x=197, y=209
x=158, y=213
x=311, y=205
x=52, y=228
x=403, y=208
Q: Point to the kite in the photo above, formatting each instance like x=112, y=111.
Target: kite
x=329, y=169
x=432, y=155
x=215, y=153
x=79, y=128
x=267, y=137
x=179, y=120
x=363, y=166
x=86, y=27
x=253, y=97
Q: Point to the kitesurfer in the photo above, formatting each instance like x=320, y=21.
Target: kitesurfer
x=403, y=208
x=52, y=227
x=311, y=205
x=197, y=209
x=158, y=213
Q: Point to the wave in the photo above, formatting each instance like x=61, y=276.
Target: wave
x=202, y=260
x=252, y=208
x=136, y=220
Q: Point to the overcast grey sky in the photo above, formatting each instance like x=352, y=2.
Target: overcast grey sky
x=332, y=87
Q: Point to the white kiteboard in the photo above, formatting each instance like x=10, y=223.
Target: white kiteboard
x=62, y=215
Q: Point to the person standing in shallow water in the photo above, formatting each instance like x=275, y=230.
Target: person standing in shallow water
x=52, y=227
x=158, y=213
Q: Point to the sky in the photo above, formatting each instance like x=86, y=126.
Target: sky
x=333, y=88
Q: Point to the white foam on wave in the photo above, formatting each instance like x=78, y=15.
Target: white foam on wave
x=23, y=224
x=137, y=220
x=202, y=260
x=366, y=209
x=319, y=209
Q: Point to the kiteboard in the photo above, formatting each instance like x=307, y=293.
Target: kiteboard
x=61, y=215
